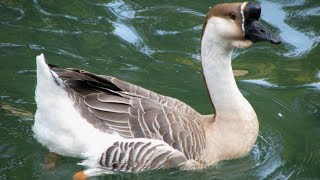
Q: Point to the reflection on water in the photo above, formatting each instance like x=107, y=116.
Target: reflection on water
x=299, y=42
x=156, y=44
x=313, y=85
x=261, y=82
x=311, y=12
x=38, y=7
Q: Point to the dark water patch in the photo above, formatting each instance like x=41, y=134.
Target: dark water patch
x=315, y=11
x=7, y=151
x=31, y=72
x=45, y=12
x=42, y=49
x=10, y=14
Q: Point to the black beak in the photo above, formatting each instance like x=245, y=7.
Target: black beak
x=254, y=30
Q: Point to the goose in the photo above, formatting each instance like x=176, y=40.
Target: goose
x=116, y=126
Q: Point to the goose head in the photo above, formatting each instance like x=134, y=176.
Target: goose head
x=236, y=25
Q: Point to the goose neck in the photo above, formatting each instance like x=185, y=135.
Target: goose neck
x=223, y=91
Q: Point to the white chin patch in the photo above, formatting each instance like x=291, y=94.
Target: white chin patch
x=243, y=6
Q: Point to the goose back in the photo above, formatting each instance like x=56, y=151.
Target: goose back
x=112, y=105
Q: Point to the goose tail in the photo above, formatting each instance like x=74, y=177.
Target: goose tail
x=58, y=124
x=54, y=125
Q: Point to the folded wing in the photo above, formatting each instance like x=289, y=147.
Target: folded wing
x=112, y=105
x=139, y=155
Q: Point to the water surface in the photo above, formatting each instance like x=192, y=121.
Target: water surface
x=155, y=44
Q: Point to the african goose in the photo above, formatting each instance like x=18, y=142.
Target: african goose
x=120, y=127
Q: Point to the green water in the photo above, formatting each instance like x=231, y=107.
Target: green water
x=155, y=44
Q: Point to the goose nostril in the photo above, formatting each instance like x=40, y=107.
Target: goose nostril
x=262, y=31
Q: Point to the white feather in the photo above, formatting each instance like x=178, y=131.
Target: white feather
x=59, y=126
x=243, y=6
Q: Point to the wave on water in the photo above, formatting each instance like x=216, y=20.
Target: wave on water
x=43, y=11
x=263, y=162
x=174, y=8
x=261, y=82
x=299, y=43
x=313, y=85
x=14, y=9
x=123, y=13
x=54, y=50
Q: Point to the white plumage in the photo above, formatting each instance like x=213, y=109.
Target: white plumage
x=58, y=124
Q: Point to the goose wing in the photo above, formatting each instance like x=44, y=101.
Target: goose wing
x=140, y=154
x=110, y=104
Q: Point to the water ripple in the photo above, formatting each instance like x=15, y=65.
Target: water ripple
x=10, y=45
x=123, y=29
x=27, y=71
x=311, y=12
x=89, y=21
x=41, y=48
x=268, y=154
x=67, y=32
x=54, y=50
x=126, y=33
x=315, y=85
x=262, y=162
x=14, y=9
x=120, y=8
x=43, y=11
x=36, y=47
x=318, y=74
x=261, y=82
x=164, y=32
x=299, y=43
x=285, y=107
x=58, y=31
x=55, y=31
x=6, y=151
x=173, y=8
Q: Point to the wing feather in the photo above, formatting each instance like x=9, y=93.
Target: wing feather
x=139, y=155
x=134, y=112
x=111, y=117
x=93, y=102
x=109, y=98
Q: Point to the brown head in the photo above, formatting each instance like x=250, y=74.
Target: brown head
x=237, y=22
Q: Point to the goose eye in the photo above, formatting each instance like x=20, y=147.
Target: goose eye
x=232, y=16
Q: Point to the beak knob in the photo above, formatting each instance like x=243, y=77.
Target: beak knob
x=254, y=30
